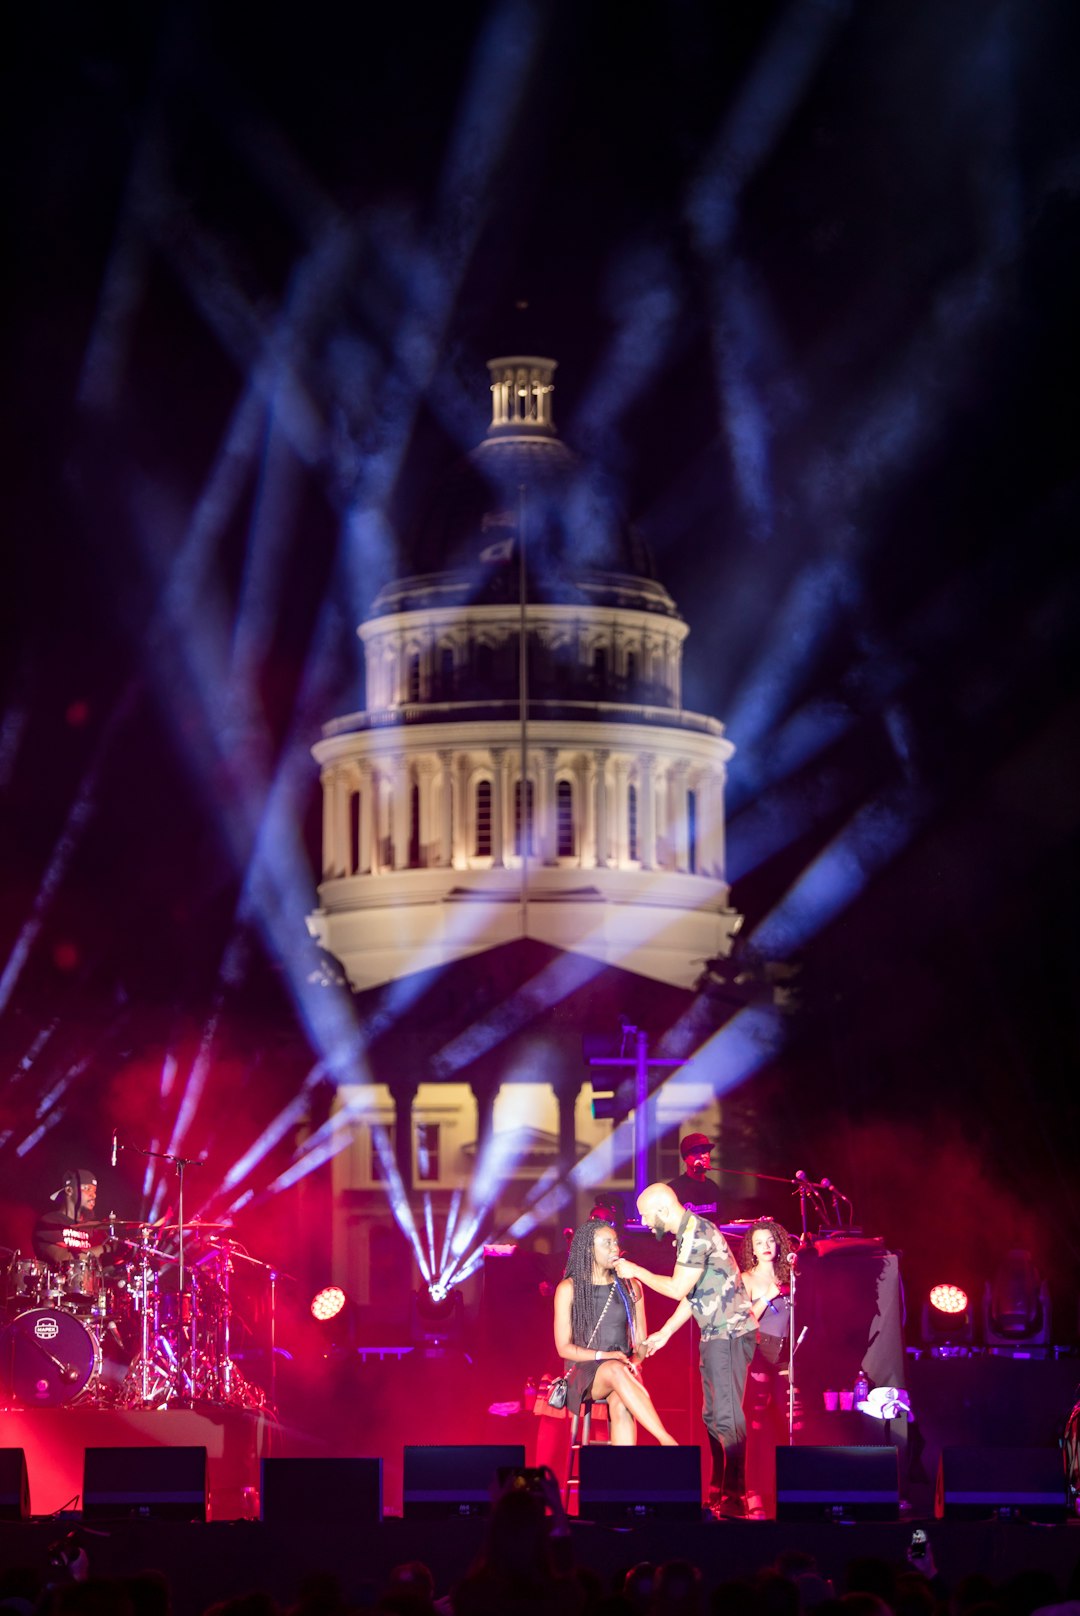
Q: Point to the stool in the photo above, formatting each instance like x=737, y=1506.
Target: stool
x=580, y=1437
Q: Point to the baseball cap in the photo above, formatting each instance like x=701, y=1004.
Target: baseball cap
x=691, y=1143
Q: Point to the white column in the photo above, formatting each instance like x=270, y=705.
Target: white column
x=547, y=841
x=341, y=823
x=464, y=828
x=585, y=812
x=446, y=816
x=399, y=812
x=365, y=811
x=600, y=760
x=717, y=847
x=647, y=810
x=621, y=817
x=428, y=834
x=498, y=808
x=679, y=827
x=328, y=869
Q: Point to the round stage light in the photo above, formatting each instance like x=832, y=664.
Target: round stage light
x=949, y=1299
x=327, y=1303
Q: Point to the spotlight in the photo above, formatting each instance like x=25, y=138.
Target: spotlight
x=438, y=1318
x=332, y=1332
x=1016, y=1306
x=946, y=1321
x=327, y=1303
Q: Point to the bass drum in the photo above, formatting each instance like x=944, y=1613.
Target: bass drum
x=48, y=1357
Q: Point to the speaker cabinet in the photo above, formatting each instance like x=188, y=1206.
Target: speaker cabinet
x=125, y=1483
x=622, y=1485
x=14, y=1485
x=455, y=1480
x=334, y=1492
x=842, y=1483
x=1022, y=1483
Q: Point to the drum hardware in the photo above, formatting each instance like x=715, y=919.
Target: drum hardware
x=141, y=1330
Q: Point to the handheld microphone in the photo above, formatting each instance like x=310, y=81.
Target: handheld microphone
x=114, y=1147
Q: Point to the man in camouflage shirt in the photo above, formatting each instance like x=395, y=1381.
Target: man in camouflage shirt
x=706, y=1283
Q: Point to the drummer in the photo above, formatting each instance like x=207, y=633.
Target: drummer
x=59, y=1235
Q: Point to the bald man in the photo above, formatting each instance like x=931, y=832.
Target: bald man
x=707, y=1284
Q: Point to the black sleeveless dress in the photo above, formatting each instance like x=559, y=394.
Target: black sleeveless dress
x=612, y=1336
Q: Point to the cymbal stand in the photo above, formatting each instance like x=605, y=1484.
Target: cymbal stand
x=144, y=1333
x=180, y=1162
x=274, y=1274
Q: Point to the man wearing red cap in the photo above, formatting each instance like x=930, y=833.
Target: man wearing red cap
x=694, y=1188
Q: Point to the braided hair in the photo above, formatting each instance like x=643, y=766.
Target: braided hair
x=584, y=1309
x=783, y=1246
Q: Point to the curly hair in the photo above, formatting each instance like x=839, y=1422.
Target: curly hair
x=584, y=1310
x=747, y=1259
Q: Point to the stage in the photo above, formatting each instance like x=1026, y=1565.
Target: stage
x=370, y=1409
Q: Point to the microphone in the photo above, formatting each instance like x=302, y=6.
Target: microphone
x=793, y=1257
x=114, y=1147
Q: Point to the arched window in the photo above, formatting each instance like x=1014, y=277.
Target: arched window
x=631, y=823
x=483, y=819
x=564, y=819
x=446, y=672
x=528, y=817
x=691, y=832
x=599, y=665
x=631, y=672
x=414, y=676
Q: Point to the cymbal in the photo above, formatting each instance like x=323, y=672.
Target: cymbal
x=195, y=1224
x=112, y=1223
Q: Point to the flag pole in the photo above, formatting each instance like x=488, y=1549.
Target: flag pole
x=525, y=820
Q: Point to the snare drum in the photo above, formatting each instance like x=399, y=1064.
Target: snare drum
x=48, y=1357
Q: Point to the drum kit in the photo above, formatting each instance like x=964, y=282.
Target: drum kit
x=138, y=1327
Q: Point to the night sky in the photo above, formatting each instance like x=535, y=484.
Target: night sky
x=810, y=274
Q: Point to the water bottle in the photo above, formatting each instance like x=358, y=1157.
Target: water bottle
x=862, y=1387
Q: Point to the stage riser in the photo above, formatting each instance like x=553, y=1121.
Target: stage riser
x=55, y=1443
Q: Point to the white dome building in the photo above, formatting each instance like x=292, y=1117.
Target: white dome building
x=544, y=651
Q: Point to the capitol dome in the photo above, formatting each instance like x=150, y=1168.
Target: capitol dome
x=523, y=766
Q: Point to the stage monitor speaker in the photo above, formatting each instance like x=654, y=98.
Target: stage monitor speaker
x=442, y=1481
x=621, y=1485
x=841, y=1483
x=1012, y=1483
x=14, y=1485
x=126, y=1483
x=334, y=1492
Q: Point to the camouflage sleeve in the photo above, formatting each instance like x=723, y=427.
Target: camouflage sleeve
x=692, y=1250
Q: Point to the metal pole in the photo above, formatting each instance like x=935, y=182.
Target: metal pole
x=525, y=819
x=641, y=1116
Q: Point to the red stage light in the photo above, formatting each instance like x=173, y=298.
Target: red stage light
x=949, y=1299
x=327, y=1303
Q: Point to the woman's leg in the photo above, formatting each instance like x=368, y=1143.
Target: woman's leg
x=622, y=1424
x=615, y=1377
